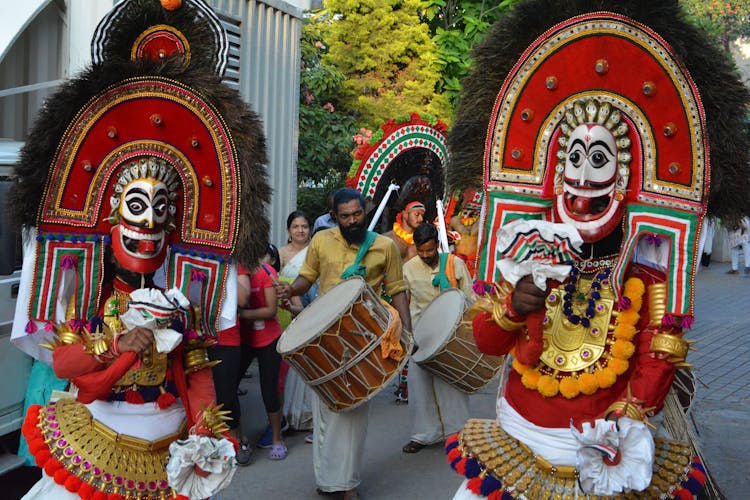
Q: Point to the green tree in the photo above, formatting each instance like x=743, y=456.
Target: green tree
x=726, y=20
x=325, y=127
x=456, y=26
x=388, y=57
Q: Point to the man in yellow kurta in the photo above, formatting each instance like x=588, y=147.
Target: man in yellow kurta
x=436, y=408
x=339, y=438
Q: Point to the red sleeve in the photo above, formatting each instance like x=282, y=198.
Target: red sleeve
x=71, y=361
x=490, y=338
x=242, y=270
x=651, y=377
x=200, y=390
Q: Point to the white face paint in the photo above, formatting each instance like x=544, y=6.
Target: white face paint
x=145, y=203
x=139, y=240
x=587, y=198
x=592, y=158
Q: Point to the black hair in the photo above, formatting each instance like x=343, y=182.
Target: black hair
x=274, y=253
x=425, y=232
x=345, y=195
x=296, y=214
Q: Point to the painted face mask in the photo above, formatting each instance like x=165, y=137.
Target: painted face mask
x=592, y=174
x=142, y=205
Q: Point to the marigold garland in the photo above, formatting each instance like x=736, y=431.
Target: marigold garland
x=401, y=232
x=600, y=377
x=469, y=221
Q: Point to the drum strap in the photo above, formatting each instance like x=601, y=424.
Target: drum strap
x=358, y=269
x=446, y=276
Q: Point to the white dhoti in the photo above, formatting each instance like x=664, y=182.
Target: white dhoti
x=338, y=445
x=437, y=409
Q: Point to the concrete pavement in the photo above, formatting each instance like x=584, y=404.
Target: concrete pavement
x=721, y=410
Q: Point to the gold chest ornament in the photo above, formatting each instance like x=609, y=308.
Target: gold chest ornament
x=587, y=343
x=572, y=347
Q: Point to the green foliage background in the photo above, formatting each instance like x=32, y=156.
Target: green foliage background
x=367, y=61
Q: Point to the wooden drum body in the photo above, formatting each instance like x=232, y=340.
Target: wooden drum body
x=446, y=344
x=334, y=344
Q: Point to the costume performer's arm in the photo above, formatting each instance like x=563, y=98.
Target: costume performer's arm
x=71, y=361
x=653, y=364
x=200, y=391
x=500, y=327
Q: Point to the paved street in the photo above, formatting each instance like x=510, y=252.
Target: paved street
x=722, y=411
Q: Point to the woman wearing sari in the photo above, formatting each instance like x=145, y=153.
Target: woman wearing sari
x=297, y=405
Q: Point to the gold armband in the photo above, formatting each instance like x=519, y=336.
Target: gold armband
x=672, y=348
x=508, y=325
x=196, y=355
x=496, y=304
x=625, y=409
x=213, y=419
x=657, y=303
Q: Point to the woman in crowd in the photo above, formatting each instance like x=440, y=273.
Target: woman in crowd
x=297, y=406
x=260, y=331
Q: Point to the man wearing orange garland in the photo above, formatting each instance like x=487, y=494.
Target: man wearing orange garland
x=403, y=229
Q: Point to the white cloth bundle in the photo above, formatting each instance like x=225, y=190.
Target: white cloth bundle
x=215, y=456
x=149, y=307
x=632, y=470
x=538, y=248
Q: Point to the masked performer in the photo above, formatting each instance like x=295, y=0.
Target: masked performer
x=133, y=176
x=596, y=127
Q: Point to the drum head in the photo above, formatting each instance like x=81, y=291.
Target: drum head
x=439, y=320
x=320, y=315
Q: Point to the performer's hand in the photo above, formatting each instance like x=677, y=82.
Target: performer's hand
x=527, y=297
x=136, y=340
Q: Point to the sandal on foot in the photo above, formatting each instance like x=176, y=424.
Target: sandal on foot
x=278, y=452
x=412, y=447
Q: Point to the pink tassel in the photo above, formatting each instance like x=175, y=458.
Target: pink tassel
x=191, y=335
x=197, y=275
x=49, y=327
x=31, y=327
x=76, y=324
x=69, y=262
x=668, y=321
x=687, y=322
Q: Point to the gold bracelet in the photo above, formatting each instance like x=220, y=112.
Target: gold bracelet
x=508, y=325
x=626, y=409
x=672, y=348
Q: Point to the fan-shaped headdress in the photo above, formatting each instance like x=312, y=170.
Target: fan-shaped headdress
x=410, y=147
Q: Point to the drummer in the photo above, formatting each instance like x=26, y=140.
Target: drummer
x=436, y=408
x=334, y=255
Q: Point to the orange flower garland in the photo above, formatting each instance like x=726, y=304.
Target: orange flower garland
x=401, y=232
x=621, y=349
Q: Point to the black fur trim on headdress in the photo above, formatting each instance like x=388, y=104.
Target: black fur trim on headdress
x=117, y=32
x=61, y=108
x=724, y=96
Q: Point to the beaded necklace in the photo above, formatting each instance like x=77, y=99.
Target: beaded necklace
x=593, y=295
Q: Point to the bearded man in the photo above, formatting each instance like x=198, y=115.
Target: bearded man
x=333, y=255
